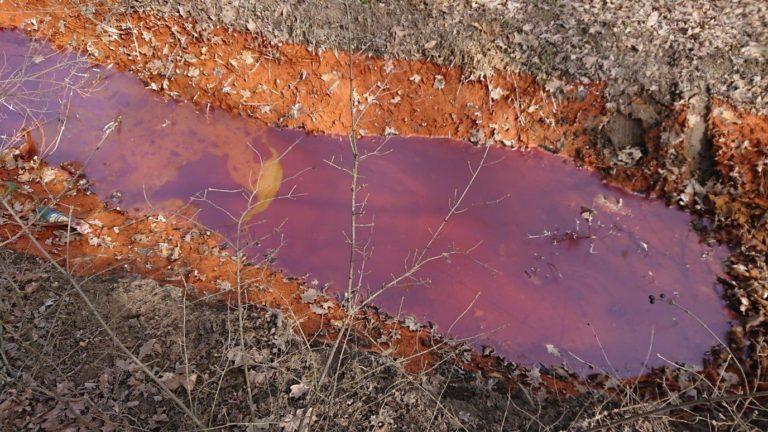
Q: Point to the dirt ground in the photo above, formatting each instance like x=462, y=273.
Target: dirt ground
x=61, y=371
x=662, y=98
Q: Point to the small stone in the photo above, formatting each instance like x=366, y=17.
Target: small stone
x=439, y=82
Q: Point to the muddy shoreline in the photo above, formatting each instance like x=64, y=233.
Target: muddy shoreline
x=693, y=150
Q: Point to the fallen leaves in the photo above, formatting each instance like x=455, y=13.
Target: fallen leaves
x=298, y=390
x=175, y=380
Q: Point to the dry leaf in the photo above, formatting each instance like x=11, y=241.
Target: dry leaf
x=298, y=390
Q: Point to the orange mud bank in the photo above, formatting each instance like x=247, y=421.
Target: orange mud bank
x=651, y=148
x=647, y=150
x=741, y=144
x=290, y=86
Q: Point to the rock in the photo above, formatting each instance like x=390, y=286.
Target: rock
x=645, y=112
x=624, y=132
x=698, y=148
x=629, y=156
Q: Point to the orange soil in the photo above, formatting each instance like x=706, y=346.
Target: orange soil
x=741, y=150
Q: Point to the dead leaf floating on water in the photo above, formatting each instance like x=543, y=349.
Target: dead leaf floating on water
x=611, y=205
x=551, y=349
x=587, y=214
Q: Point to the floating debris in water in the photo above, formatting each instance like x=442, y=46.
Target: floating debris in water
x=115, y=197
x=587, y=214
x=612, y=205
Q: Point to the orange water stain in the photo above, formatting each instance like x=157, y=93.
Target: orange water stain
x=539, y=271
